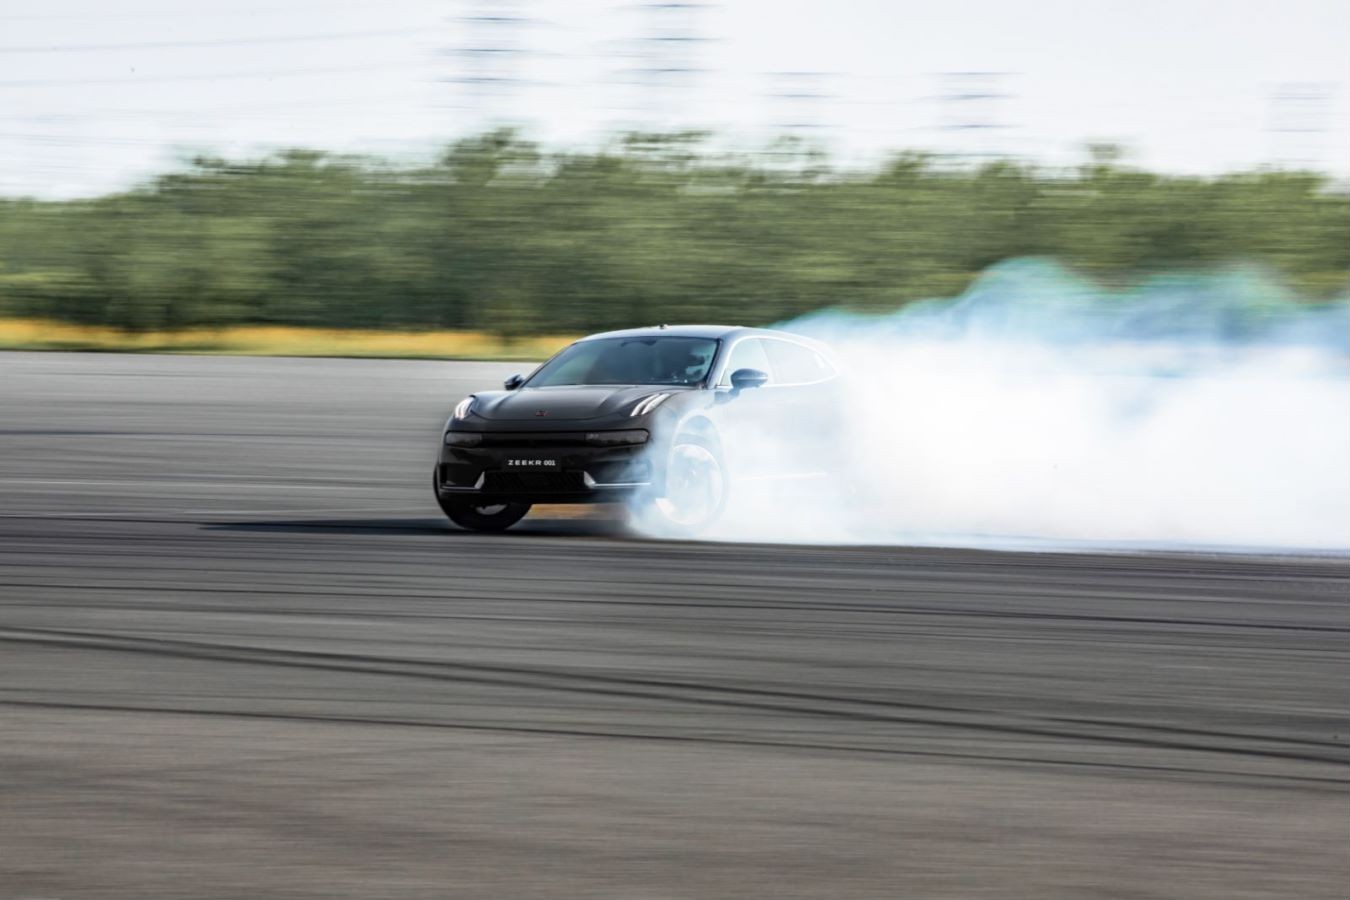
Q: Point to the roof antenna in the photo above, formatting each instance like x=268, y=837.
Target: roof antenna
x=663, y=326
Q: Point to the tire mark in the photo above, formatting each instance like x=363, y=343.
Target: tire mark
x=668, y=691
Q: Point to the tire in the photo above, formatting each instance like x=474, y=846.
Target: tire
x=465, y=513
x=696, y=488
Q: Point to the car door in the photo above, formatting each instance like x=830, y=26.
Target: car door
x=803, y=408
x=751, y=431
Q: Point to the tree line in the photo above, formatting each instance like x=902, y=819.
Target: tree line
x=499, y=235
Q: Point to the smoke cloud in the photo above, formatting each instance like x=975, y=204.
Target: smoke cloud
x=1039, y=411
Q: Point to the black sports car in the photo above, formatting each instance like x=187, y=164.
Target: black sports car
x=663, y=418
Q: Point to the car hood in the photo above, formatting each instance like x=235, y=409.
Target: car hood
x=560, y=404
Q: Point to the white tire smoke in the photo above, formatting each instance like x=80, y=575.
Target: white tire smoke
x=1040, y=412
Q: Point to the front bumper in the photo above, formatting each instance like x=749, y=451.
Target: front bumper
x=509, y=467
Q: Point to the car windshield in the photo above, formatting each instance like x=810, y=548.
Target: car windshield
x=629, y=360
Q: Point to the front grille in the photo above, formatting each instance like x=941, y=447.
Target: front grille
x=524, y=482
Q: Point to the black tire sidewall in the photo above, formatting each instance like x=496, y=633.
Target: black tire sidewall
x=463, y=511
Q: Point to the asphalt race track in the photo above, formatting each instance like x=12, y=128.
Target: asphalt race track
x=243, y=656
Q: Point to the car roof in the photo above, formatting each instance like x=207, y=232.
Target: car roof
x=720, y=332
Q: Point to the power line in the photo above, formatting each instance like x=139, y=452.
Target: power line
x=490, y=54
x=800, y=101
x=159, y=138
x=969, y=112
x=222, y=42
x=1297, y=122
x=666, y=59
x=134, y=79
x=197, y=109
x=194, y=12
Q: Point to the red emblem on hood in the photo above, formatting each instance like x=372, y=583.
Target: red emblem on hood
x=541, y=412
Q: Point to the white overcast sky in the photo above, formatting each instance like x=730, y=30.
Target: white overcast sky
x=96, y=94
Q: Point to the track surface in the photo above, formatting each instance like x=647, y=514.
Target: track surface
x=242, y=656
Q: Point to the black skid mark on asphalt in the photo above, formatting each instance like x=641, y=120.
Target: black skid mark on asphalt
x=722, y=696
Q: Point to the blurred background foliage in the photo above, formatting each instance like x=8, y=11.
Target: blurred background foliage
x=499, y=235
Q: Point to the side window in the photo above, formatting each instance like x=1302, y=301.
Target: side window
x=796, y=364
x=748, y=354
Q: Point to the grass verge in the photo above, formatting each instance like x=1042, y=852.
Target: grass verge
x=267, y=340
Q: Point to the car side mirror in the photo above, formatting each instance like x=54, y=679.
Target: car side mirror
x=514, y=382
x=747, y=378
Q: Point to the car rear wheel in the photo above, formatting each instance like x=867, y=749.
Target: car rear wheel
x=466, y=512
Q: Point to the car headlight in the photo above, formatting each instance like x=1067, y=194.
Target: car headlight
x=463, y=438
x=647, y=404
x=463, y=408
x=617, y=438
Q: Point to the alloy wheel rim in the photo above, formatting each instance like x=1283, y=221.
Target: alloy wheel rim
x=694, y=486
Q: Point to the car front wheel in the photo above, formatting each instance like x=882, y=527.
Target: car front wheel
x=468, y=513
x=696, y=489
